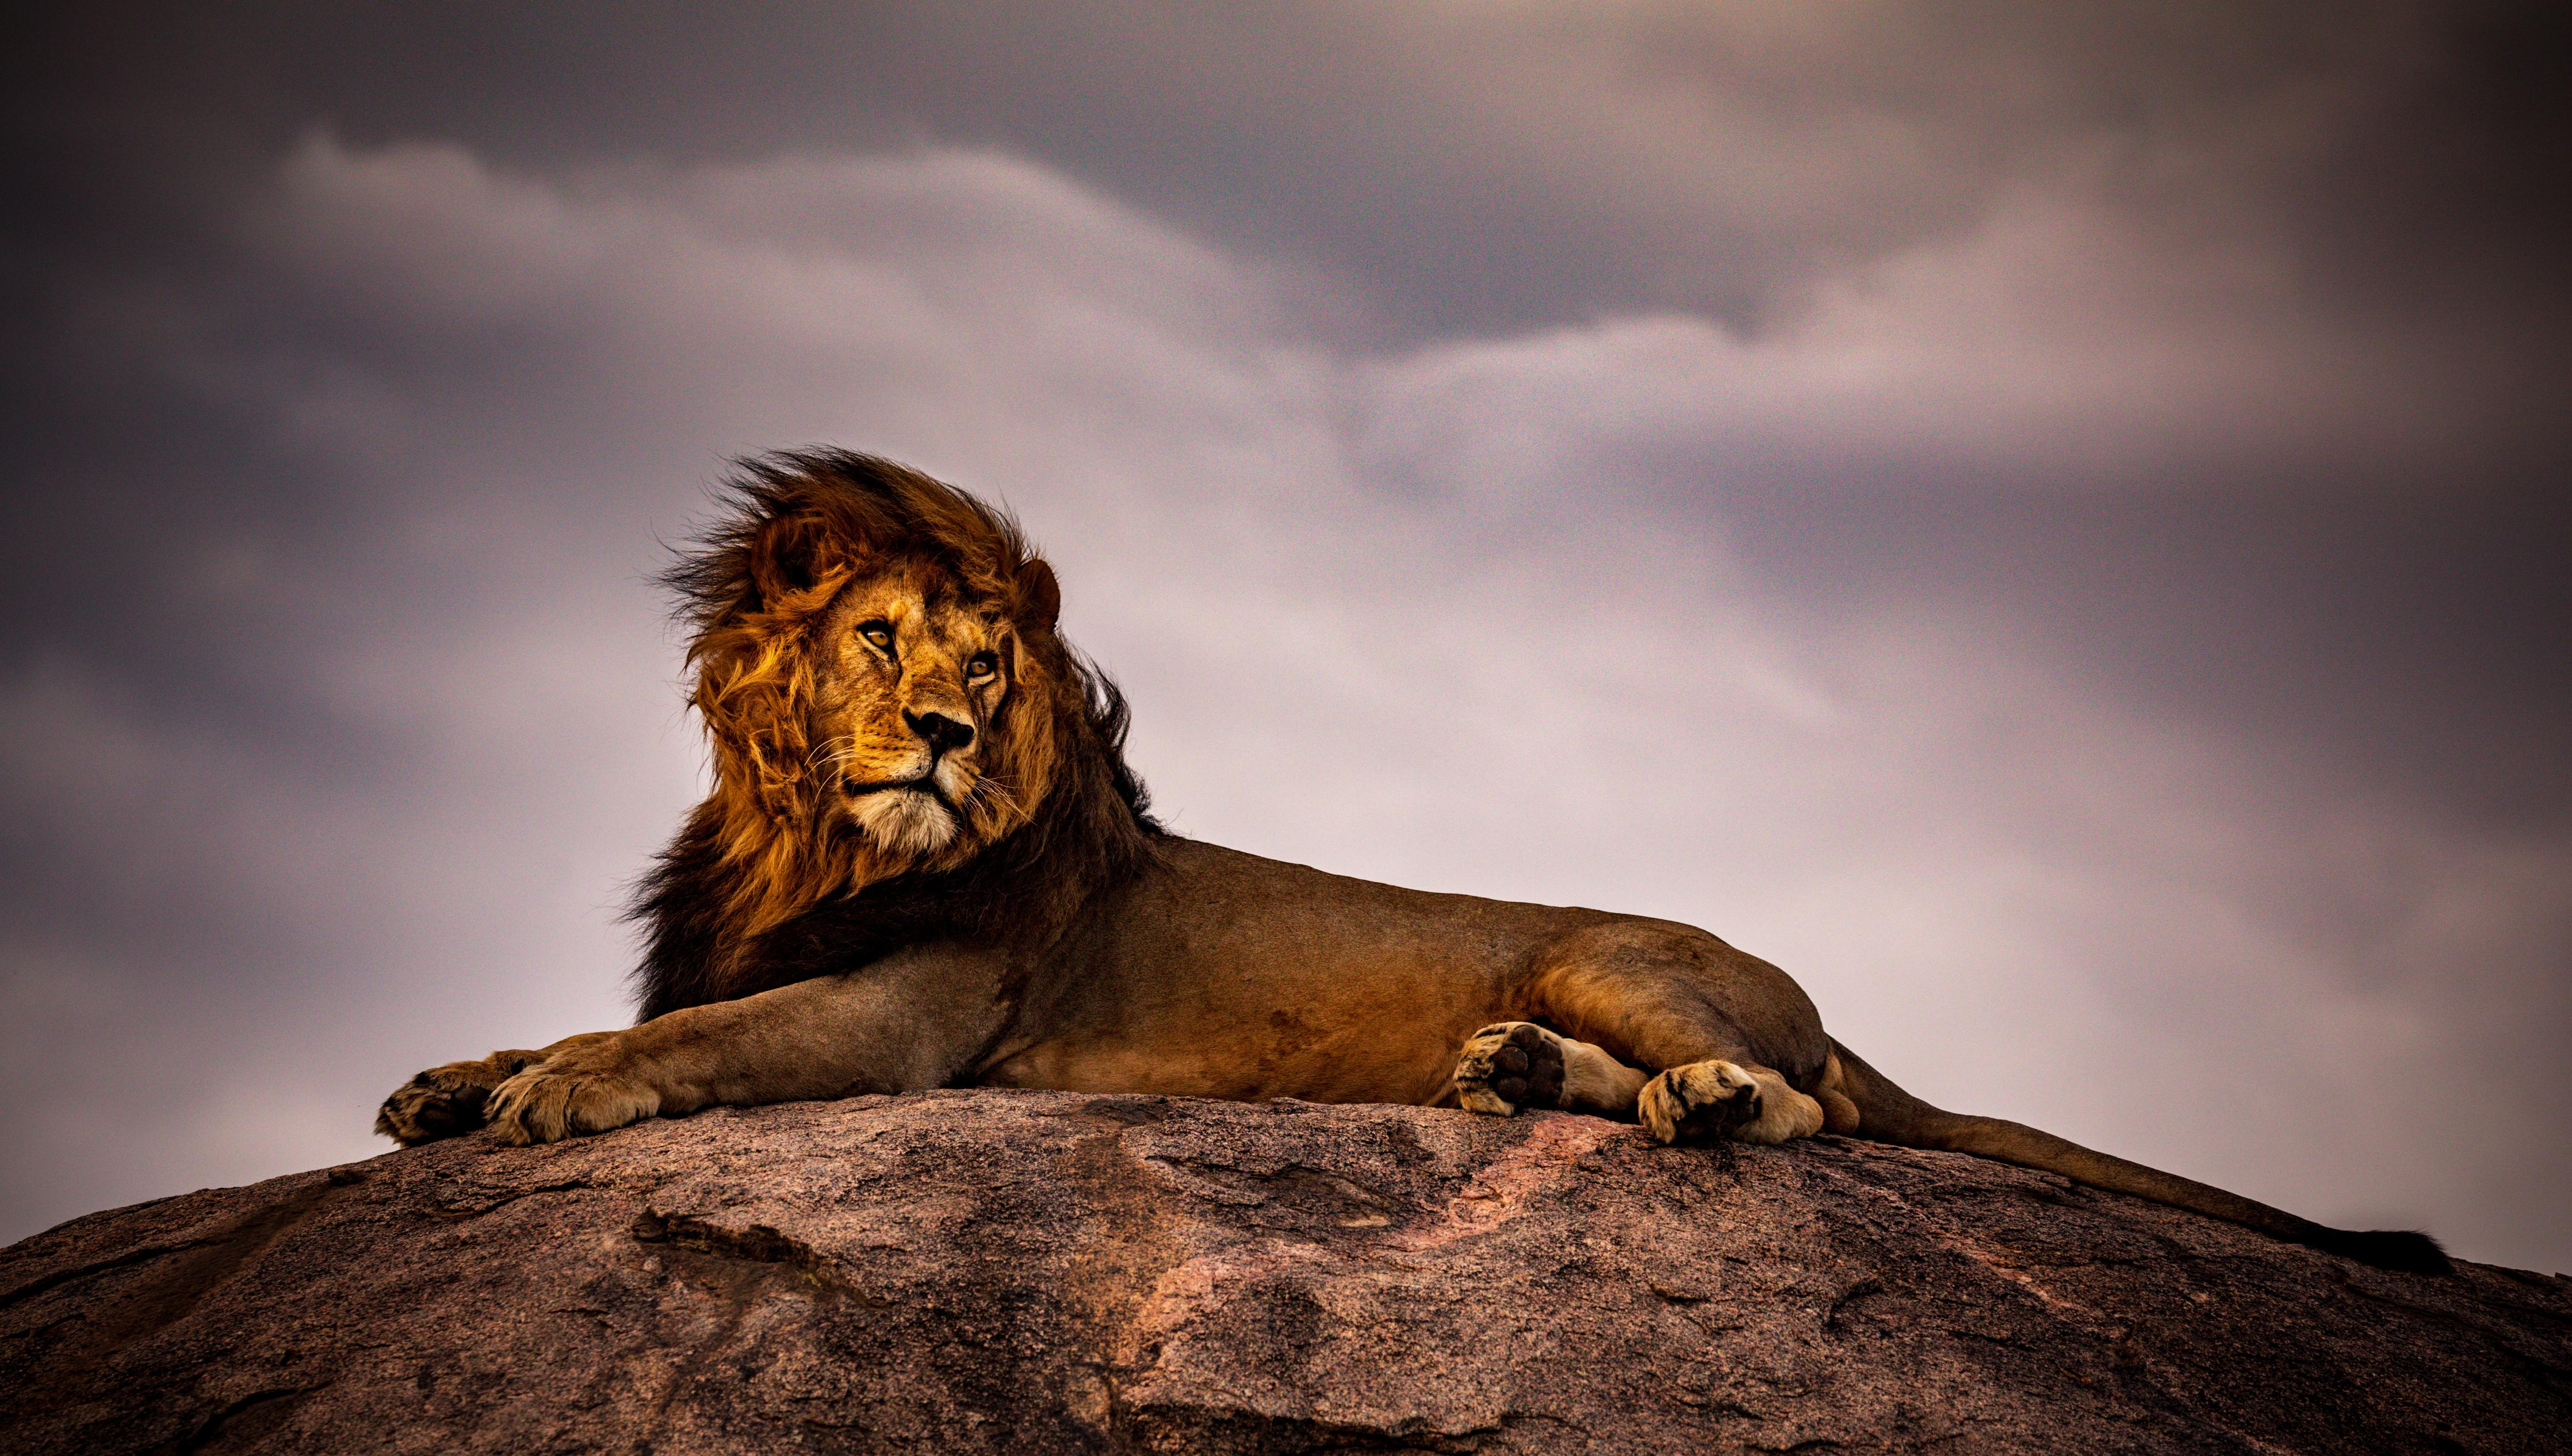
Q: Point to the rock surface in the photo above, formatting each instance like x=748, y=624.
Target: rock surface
x=1043, y=1271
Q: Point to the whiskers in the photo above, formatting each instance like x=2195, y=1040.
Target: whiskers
x=846, y=761
x=989, y=793
x=958, y=806
x=837, y=750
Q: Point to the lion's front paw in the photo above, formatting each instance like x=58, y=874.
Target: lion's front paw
x=1700, y=1102
x=587, y=1090
x=1510, y=1066
x=445, y=1101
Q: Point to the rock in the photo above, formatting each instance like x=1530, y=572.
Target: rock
x=1047, y=1271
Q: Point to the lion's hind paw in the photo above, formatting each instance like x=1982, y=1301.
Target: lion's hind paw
x=1703, y=1100
x=1700, y=1102
x=1506, y=1067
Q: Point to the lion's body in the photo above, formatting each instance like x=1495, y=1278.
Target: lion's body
x=1221, y=974
x=924, y=863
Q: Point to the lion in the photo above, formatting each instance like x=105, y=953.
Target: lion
x=924, y=863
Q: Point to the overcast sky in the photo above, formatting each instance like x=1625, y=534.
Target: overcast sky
x=2049, y=521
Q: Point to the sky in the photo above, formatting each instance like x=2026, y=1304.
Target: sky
x=2048, y=521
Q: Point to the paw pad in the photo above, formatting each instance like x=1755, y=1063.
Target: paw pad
x=1514, y=1064
x=435, y=1104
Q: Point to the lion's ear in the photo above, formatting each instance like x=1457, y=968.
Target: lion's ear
x=1039, y=596
x=788, y=556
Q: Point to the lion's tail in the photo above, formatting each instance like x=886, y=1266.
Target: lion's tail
x=1887, y=1113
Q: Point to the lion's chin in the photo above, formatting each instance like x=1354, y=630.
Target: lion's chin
x=909, y=822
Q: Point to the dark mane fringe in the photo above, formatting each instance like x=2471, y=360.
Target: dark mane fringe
x=1092, y=831
x=854, y=499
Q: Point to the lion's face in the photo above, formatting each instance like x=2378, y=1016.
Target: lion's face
x=909, y=680
x=879, y=679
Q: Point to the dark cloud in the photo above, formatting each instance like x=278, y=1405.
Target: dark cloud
x=1466, y=167
x=2058, y=506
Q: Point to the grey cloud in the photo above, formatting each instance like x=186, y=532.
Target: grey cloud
x=1470, y=166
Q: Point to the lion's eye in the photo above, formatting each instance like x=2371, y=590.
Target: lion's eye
x=983, y=666
x=879, y=633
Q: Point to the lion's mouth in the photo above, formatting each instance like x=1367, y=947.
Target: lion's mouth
x=926, y=783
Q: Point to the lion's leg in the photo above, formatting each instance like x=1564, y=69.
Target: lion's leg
x=443, y=1102
x=907, y=1023
x=1518, y=1064
x=1729, y=1036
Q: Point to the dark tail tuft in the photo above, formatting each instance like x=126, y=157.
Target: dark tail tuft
x=2387, y=1248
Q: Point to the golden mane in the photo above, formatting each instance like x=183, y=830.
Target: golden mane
x=759, y=851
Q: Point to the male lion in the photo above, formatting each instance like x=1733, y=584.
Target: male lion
x=924, y=865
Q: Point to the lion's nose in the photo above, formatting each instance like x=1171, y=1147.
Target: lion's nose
x=938, y=730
